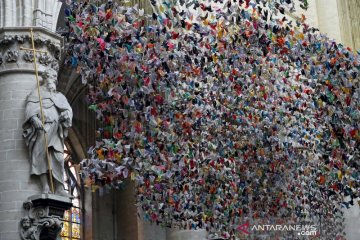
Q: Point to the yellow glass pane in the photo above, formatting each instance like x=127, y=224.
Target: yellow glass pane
x=65, y=230
x=75, y=230
x=66, y=216
x=65, y=238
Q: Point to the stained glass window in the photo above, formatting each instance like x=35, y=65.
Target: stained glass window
x=72, y=218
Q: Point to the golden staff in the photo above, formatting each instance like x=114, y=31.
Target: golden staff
x=34, y=50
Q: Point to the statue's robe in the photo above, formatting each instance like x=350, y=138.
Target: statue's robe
x=53, y=104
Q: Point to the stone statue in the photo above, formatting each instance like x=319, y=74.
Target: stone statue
x=57, y=119
x=27, y=229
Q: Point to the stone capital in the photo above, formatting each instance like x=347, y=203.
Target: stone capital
x=13, y=59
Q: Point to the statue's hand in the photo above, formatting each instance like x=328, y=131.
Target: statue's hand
x=64, y=116
x=37, y=123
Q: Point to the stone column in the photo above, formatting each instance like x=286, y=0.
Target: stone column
x=17, y=79
x=328, y=18
x=349, y=22
x=173, y=234
x=352, y=221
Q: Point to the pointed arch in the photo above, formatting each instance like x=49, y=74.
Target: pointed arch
x=56, y=10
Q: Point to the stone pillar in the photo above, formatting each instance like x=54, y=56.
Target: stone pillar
x=173, y=234
x=148, y=231
x=352, y=221
x=349, y=22
x=115, y=214
x=17, y=79
x=328, y=18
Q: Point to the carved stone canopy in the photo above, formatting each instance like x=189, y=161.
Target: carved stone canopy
x=45, y=217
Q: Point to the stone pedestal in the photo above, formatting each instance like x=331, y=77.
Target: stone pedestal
x=45, y=217
x=17, y=79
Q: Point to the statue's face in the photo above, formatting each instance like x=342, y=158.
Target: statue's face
x=26, y=224
x=50, y=79
x=51, y=83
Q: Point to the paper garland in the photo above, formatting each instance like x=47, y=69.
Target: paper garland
x=221, y=111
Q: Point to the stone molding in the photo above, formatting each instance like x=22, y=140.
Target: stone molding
x=12, y=55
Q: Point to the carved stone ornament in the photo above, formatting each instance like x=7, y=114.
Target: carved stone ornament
x=45, y=217
x=28, y=56
x=12, y=56
x=44, y=59
x=12, y=39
